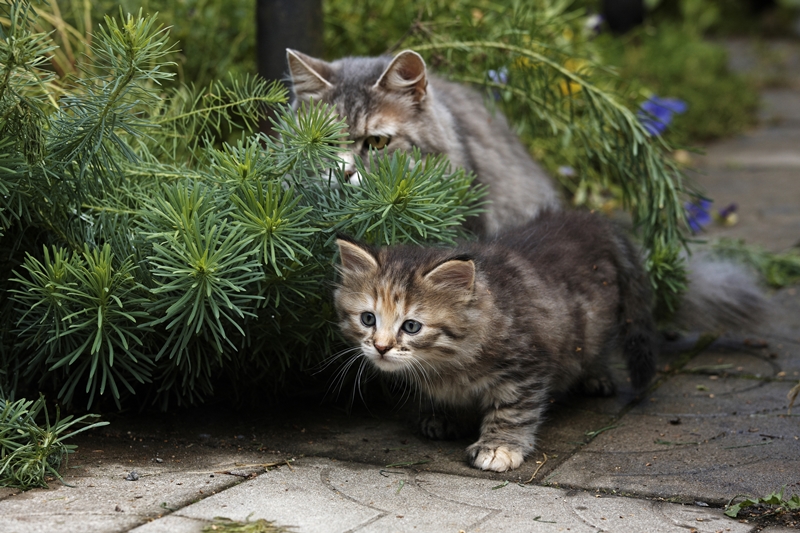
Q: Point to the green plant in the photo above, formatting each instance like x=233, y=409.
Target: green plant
x=29, y=451
x=776, y=500
x=147, y=255
x=777, y=269
x=226, y=525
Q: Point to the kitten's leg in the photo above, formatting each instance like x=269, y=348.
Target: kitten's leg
x=596, y=379
x=508, y=433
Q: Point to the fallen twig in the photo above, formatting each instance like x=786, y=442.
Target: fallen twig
x=598, y=431
x=537, y=469
x=792, y=396
x=747, y=445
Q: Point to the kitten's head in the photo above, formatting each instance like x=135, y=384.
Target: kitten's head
x=383, y=100
x=408, y=308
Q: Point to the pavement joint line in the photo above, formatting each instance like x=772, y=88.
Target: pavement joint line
x=492, y=513
x=324, y=477
x=185, y=517
x=236, y=481
x=417, y=484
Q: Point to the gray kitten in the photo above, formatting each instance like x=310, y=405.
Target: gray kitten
x=395, y=104
x=497, y=327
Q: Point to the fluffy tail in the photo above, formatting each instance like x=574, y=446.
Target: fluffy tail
x=722, y=295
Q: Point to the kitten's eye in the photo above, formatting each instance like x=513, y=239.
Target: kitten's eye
x=368, y=319
x=377, y=141
x=411, y=326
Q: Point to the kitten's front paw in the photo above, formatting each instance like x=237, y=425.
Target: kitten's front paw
x=497, y=458
x=438, y=428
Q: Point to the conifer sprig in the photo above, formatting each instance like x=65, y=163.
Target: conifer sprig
x=80, y=318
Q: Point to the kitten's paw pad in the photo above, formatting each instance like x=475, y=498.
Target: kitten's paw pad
x=497, y=458
x=438, y=428
x=599, y=386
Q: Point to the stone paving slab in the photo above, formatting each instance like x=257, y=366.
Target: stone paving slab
x=298, y=497
x=780, y=108
x=767, y=201
x=172, y=524
x=385, y=435
x=100, y=498
x=771, y=148
x=774, y=62
x=331, y=496
x=695, y=439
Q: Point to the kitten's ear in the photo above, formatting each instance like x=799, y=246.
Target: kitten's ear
x=455, y=274
x=310, y=77
x=355, y=259
x=406, y=73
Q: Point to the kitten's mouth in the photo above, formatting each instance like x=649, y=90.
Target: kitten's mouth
x=386, y=362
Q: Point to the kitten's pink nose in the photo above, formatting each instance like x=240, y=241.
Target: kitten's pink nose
x=382, y=348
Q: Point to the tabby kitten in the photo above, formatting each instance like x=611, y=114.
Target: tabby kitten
x=395, y=104
x=498, y=326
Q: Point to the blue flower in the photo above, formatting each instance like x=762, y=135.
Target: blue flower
x=728, y=211
x=698, y=214
x=593, y=24
x=727, y=215
x=499, y=76
x=567, y=171
x=656, y=113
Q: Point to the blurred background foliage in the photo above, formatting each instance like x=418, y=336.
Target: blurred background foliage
x=155, y=243
x=675, y=52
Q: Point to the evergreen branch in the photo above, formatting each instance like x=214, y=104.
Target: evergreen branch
x=276, y=94
x=398, y=201
x=202, y=266
x=541, y=58
x=271, y=218
x=123, y=51
x=82, y=326
x=107, y=209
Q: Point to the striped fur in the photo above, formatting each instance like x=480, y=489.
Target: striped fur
x=397, y=98
x=505, y=323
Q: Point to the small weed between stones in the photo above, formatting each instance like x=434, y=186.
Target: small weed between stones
x=226, y=525
x=766, y=511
